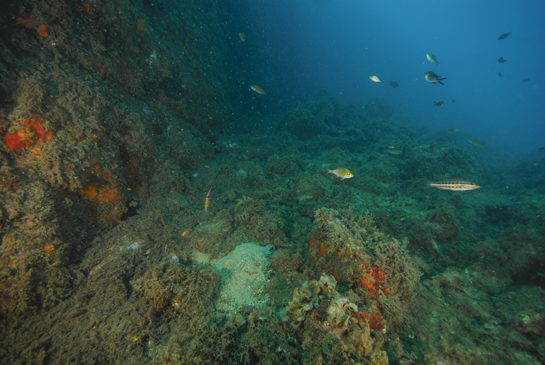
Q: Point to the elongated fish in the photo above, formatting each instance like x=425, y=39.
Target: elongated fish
x=504, y=35
x=456, y=185
x=476, y=143
x=257, y=89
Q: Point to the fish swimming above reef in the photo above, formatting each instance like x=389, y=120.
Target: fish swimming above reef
x=390, y=145
x=341, y=172
x=242, y=36
x=476, y=143
x=526, y=80
x=431, y=57
x=438, y=103
x=394, y=84
x=257, y=89
x=499, y=74
x=394, y=152
x=501, y=60
x=374, y=78
x=455, y=185
x=504, y=35
x=433, y=78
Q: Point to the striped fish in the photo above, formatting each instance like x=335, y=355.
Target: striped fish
x=456, y=185
x=476, y=143
x=207, y=201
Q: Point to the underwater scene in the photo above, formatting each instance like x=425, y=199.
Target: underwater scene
x=272, y=182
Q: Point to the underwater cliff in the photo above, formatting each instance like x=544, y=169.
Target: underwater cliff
x=150, y=214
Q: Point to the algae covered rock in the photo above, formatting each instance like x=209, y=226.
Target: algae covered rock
x=244, y=274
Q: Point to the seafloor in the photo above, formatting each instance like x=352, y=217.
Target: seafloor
x=119, y=117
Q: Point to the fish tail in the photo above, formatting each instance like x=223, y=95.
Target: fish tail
x=426, y=184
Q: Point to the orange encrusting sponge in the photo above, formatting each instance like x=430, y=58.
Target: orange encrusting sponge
x=33, y=133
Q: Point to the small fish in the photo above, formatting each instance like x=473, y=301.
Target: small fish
x=186, y=233
x=257, y=89
x=433, y=78
x=541, y=149
x=453, y=130
x=526, y=80
x=431, y=57
x=455, y=185
x=445, y=176
x=439, y=103
x=476, y=143
x=504, y=35
x=394, y=152
x=390, y=145
x=374, y=79
x=499, y=74
x=207, y=201
x=242, y=36
x=341, y=172
x=501, y=60
x=394, y=84
x=453, y=100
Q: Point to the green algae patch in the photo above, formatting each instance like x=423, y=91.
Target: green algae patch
x=244, y=274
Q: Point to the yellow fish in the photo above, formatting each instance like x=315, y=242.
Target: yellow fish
x=395, y=152
x=257, y=89
x=390, y=145
x=374, y=79
x=242, y=36
x=341, y=172
x=456, y=185
x=476, y=143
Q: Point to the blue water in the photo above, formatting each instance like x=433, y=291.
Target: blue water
x=337, y=45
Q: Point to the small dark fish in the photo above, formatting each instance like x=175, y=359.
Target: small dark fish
x=453, y=100
x=438, y=103
x=541, y=149
x=504, y=35
x=526, y=80
x=501, y=60
x=394, y=84
x=433, y=78
x=499, y=74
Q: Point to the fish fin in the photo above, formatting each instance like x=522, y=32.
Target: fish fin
x=440, y=82
x=426, y=184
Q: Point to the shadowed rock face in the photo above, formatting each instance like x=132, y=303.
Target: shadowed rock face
x=172, y=86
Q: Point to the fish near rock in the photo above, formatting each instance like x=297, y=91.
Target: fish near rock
x=341, y=172
x=454, y=185
x=433, y=78
x=504, y=35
